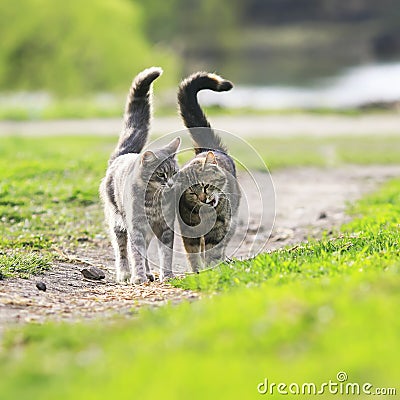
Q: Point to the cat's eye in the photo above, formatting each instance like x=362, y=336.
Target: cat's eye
x=161, y=175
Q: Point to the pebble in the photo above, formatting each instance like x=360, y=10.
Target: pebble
x=93, y=273
x=41, y=286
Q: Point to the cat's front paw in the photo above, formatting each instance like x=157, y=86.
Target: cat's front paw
x=123, y=276
x=138, y=280
x=151, y=277
x=166, y=276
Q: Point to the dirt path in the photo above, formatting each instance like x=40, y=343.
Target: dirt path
x=242, y=125
x=308, y=201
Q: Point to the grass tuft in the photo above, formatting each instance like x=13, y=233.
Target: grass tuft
x=23, y=265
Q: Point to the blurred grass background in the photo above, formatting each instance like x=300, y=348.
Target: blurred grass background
x=77, y=59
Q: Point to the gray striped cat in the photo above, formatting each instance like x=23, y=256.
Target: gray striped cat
x=137, y=190
x=210, y=196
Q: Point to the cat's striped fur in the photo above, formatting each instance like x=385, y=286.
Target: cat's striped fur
x=136, y=191
x=210, y=196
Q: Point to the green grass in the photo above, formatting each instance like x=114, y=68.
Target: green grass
x=23, y=265
x=244, y=111
x=295, y=315
x=111, y=105
x=298, y=151
x=325, y=307
x=84, y=107
x=49, y=186
x=322, y=151
x=370, y=243
x=216, y=348
x=48, y=197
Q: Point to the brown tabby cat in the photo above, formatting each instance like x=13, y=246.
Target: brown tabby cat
x=210, y=196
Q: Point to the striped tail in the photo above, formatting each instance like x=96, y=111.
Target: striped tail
x=193, y=116
x=137, y=114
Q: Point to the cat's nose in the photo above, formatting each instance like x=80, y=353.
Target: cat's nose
x=202, y=197
x=170, y=182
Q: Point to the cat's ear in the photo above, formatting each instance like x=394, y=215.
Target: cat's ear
x=173, y=146
x=148, y=157
x=210, y=158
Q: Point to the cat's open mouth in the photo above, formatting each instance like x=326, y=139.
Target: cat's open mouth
x=213, y=201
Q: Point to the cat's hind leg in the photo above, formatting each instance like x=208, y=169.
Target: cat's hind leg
x=216, y=242
x=214, y=254
x=149, y=274
x=119, y=239
x=165, y=251
x=138, y=250
x=193, y=253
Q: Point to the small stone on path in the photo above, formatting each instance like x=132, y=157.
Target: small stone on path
x=41, y=286
x=93, y=273
x=322, y=215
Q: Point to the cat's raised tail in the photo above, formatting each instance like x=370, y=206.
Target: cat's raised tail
x=192, y=114
x=137, y=114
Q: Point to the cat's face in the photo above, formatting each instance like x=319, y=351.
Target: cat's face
x=159, y=168
x=164, y=175
x=203, y=194
x=204, y=182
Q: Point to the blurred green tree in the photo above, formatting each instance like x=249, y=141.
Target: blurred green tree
x=189, y=26
x=74, y=47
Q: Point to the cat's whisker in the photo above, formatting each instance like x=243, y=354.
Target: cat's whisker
x=191, y=212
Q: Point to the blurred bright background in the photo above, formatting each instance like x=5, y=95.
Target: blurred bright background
x=76, y=59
